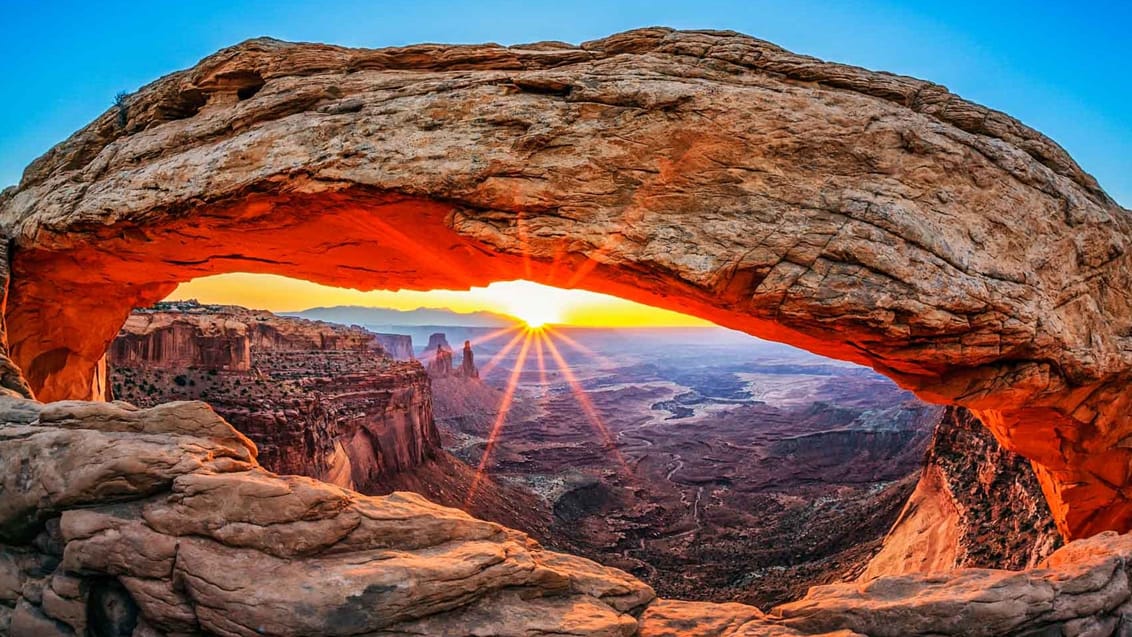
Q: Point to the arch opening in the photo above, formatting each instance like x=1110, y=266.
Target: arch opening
x=659, y=444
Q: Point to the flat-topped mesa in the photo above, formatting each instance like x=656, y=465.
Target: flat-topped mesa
x=437, y=341
x=319, y=399
x=399, y=346
x=187, y=334
x=861, y=215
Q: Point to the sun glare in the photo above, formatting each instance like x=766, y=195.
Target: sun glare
x=534, y=318
x=533, y=304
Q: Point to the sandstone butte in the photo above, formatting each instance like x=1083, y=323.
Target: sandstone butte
x=861, y=215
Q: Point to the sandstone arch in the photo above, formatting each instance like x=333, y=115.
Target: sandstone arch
x=861, y=215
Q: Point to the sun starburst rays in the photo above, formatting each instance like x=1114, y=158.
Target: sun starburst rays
x=537, y=312
x=500, y=418
x=583, y=398
x=542, y=340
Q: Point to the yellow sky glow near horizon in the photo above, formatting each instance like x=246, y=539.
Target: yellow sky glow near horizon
x=522, y=299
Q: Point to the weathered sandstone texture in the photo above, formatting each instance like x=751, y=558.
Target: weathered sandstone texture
x=160, y=522
x=861, y=215
x=318, y=399
x=155, y=522
x=975, y=505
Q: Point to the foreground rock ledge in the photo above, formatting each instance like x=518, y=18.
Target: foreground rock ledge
x=159, y=521
x=861, y=215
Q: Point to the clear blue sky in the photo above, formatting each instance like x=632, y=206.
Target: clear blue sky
x=1061, y=67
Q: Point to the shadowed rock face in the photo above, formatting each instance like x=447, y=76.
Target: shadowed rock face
x=976, y=504
x=861, y=215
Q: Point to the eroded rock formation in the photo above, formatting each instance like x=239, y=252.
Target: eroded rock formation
x=160, y=521
x=439, y=362
x=861, y=215
x=975, y=505
x=164, y=515
x=438, y=359
x=187, y=335
x=468, y=362
x=320, y=400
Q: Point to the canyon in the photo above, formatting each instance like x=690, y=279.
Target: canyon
x=687, y=455
x=864, y=216
x=318, y=400
x=826, y=453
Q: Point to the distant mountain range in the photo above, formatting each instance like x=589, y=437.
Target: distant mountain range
x=380, y=317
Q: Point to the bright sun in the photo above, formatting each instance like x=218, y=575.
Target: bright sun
x=535, y=305
x=535, y=317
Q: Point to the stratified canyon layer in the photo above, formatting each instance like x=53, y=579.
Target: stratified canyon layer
x=861, y=215
x=319, y=400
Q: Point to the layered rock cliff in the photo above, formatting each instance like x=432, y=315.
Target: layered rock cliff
x=318, y=399
x=976, y=505
x=186, y=334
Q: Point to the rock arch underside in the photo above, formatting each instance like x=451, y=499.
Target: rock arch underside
x=861, y=215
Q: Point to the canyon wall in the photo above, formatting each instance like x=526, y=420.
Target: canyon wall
x=399, y=346
x=160, y=522
x=318, y=399
x=159, y=340
x=975, y=505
